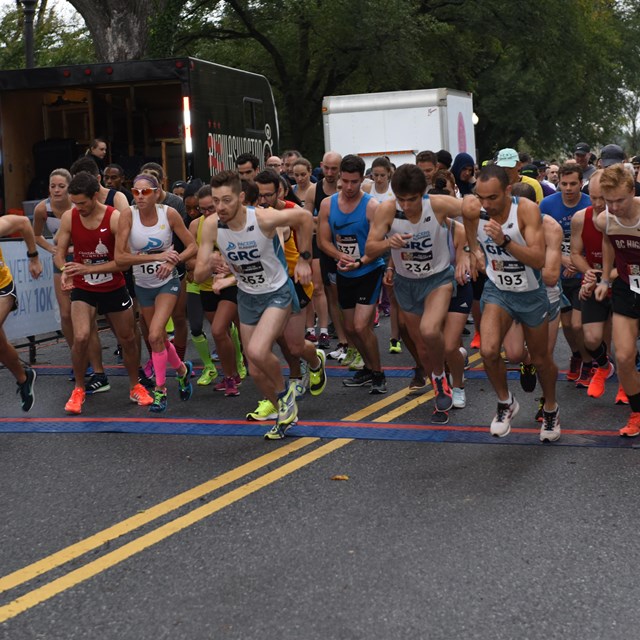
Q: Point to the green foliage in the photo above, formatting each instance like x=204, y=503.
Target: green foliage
x=56, y=41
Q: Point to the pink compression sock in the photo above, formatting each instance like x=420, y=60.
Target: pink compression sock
x=172, y=355
x=160, y=366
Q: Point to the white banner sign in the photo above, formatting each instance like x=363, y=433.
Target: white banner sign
x=38, y=310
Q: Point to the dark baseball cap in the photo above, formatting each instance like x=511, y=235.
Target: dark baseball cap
x=582, y=148
x=541, y=164
x=529, y=170
x=635, y=160
x=611, y=154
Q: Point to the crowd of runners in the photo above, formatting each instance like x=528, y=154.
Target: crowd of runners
x=284, y=262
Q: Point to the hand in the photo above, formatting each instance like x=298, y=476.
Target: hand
x=35, y=268
x=586, y=290
x=494, y=230
x=75, y=269
x=66, y=281
x=399, y=240
x=171, y=256
x=602, y=291
x=569, y=272
x=388, y=277
x=463, y=269
x=348, y=265
x=164, y=270
x=591, y=277
x=302, y=272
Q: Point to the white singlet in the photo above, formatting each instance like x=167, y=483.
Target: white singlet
x=427, y=252
x=149, y=240
x=257, y=261
x=507, y=273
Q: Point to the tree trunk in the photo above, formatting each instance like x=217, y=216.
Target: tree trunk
x=119, y=28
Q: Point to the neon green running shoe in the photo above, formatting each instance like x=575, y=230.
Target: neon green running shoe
x=209, y=374
x=352, y=352
x=265, y=411
x=357, y=364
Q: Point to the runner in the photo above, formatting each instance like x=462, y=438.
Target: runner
x=247, y=238
x=586, y=256
x=510, y=233
x=145, y=231
x=96, y=283
x=414, y=227
x=344, y=222
x=25, y=376
x=620, y=224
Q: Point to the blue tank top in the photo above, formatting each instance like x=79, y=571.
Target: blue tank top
x=349, y=232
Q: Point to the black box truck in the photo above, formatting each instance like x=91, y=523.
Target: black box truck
x=192, y=116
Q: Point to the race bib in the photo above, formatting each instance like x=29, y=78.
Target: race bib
x=509, y=275
x=251, y=275
x=566, y=248
x=634, y=277
x=348, y=245
x=418, y=264
x=97, y=278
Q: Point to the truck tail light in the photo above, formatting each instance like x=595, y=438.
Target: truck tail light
x=186, y=113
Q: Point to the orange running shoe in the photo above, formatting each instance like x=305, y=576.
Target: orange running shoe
x=600, y=375
x=632, y=428
x=575, y=367
x=475, y=343
x=621, y=396
x=140, y=396
x=74, y=405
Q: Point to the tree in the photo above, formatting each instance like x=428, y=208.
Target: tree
x=56, y=41
x=119, y=28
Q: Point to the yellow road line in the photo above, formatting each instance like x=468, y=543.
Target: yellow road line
x=53, y=588
x=67, y=554
x=377, y=406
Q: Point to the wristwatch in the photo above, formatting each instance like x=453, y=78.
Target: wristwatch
x=305, y=255
x=506, y=241
x=33, y=254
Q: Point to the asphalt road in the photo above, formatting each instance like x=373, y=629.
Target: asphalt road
x=118, y=525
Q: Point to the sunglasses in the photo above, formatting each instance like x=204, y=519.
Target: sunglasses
x=147, y=191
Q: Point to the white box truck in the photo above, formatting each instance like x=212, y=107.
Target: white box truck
x=399, y=124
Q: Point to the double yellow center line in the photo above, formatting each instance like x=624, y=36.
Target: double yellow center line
x=40, y=594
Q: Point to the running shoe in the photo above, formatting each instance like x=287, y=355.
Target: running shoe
x=418, y=382
x=311, y=336
x=528, y=379
x=339, y=354
x=350, y=356
x=145, y=381
x=501, y=424
x=540, y=410
x=632, y=428
x=185, y=388
x=444, y=399
x=264, y=411
x=459, y=398
x=214, y=356
x=475, y=342
x=598, y=380
x=324, y=341
x=97, y=383
x=586, y=373
x=287, y=410
x=359, y=379
x=465, y=356
x=222, y=386
x=208, y=375
x=378, y=383
x=318, y=377
x=306, y=376
x=439, y=417
x=75, y=402
x=299, y=387
x=550, y=427
x=621, y=396
x=140, y=396
x=395, y=346
x=575, y=366
x=230, y=388
x=159, y=403
x=25, y=389
x=376, y=319
x=357, y=364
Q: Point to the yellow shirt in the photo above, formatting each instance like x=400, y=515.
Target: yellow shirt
x=536, y=187
x=207, y=285
x=5, y=275
x=291, y=255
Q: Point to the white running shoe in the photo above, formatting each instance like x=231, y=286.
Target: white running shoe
x=550, y=429
x=501, y=424
x=459, y=398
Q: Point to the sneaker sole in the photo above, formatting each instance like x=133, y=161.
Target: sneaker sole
x=31, y=392
x=513, y=415
x=91, y=392
x=550, y=437
x=271, y=416
x=377, y=391
x=358, y=384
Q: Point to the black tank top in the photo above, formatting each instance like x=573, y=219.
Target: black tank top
x=319, y=197
x=111, y=196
